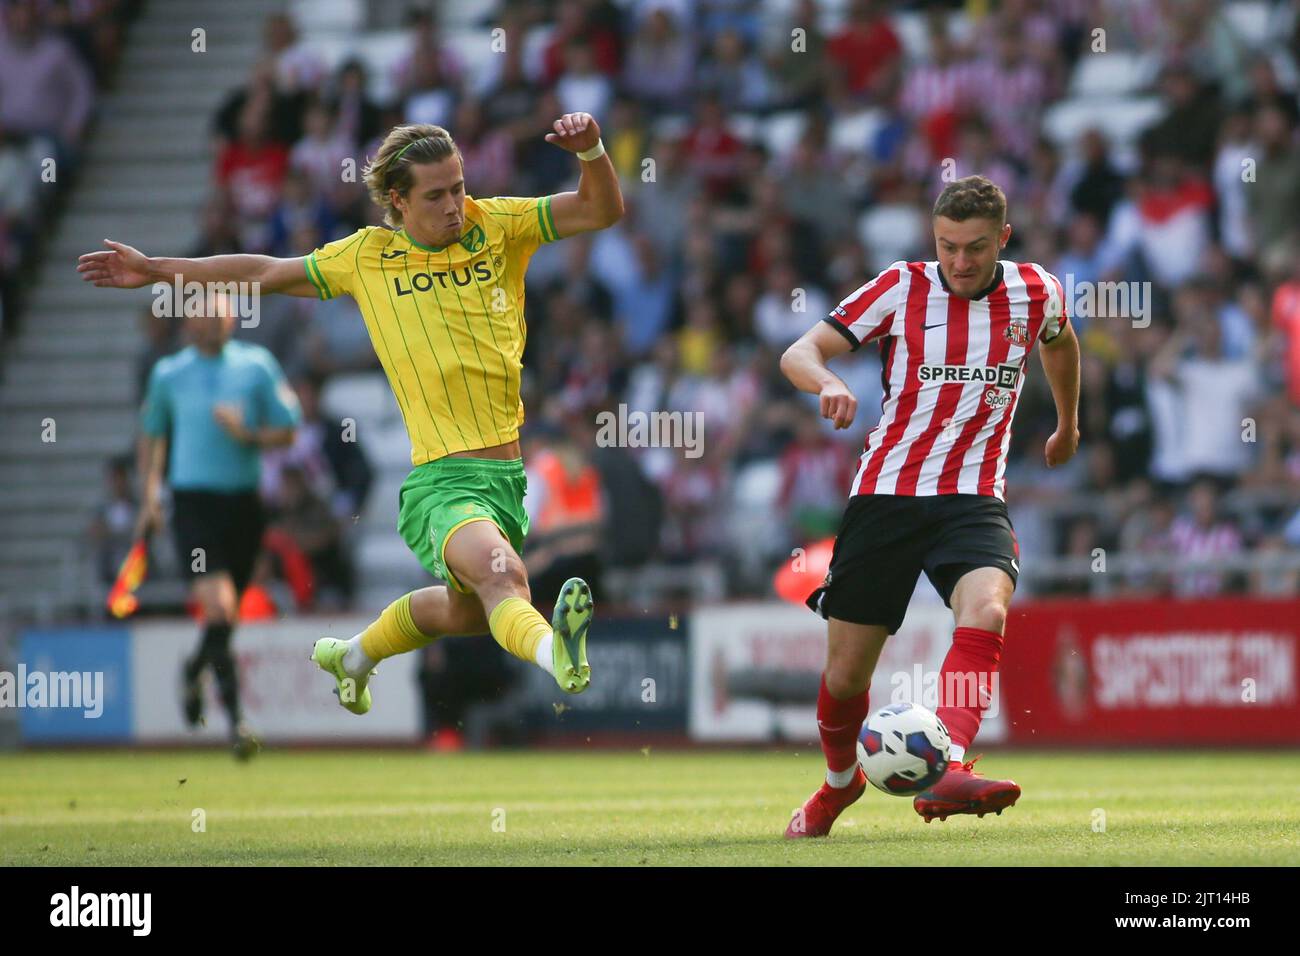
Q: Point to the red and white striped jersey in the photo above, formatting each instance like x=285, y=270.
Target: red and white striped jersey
x=952, y=372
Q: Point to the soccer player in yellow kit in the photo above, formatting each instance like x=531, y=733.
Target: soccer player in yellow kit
x=442, y=293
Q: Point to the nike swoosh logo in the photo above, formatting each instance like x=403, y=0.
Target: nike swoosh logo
x=934, y=326
x=1015, y=567
x=392, y=255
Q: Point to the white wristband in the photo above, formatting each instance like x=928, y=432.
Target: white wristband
x=595, y=152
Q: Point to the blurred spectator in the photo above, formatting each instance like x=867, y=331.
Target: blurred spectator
x=1275, y=582
x=45, y=88
x=1165, y=220
x=1286, y=319
x=712, y=150
x=303, y=527
x=487, y=153
x=282, y=111
x=579, y=22
x=430, y=94
x=796, y=61
x=1094, y=183
x=321, y=152
x=112, y=527
x=1213, y=394
x=582, y=87
x=566, y=509
x=1273, y=196
x=788, y=307
x=1190, y=126
x=428, y=60
x=815, y=478
x=1202, y=534
x=302, y=219
x=1235, y=153
x=357, y=114
x=457, y=675
x=327, y=455
x=250, y=172
x=644, y=302
x=813, y=189
x=735, y=74
x=1148, y=533
x=660, y=63
x=865, y=47
x=297, y=66
x=1013, y=89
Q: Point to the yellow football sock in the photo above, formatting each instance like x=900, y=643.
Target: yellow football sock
x=394, y=632
x=516, y=626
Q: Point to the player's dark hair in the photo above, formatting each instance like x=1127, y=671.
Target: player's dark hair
x=972, y=197
x=390, y=168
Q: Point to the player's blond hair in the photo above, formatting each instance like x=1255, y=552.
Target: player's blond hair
x=972, y=197
x=390, y=168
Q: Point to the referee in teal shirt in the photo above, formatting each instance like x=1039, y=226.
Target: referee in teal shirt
x=209, y=410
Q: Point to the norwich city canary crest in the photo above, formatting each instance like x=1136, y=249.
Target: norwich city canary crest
x=474, y=239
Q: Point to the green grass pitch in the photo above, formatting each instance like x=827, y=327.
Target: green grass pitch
x=653, y=808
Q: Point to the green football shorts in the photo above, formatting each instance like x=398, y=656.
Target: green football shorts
x=440, y=496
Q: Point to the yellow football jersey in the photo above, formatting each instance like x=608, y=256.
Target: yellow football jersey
x=447, y=323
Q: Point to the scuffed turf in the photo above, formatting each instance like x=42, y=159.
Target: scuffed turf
x=659, y=808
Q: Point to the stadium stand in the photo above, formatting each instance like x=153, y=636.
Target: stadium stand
x=795, y=172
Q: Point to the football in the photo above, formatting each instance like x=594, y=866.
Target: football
x=903, y=749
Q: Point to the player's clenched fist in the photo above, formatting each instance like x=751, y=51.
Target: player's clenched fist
x=838, y=404
x=1061, y=446
x=576, y=132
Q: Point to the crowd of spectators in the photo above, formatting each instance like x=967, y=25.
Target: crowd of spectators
x=773, y=159
x=55, y=56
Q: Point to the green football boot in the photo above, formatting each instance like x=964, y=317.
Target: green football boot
x=569, y=624
x=352, y=692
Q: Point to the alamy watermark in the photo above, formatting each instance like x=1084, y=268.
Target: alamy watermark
x=960, y=689
x=637, y=429
x=130, y=910
x=83, y=690
x=187, y=300
x=1109, y=300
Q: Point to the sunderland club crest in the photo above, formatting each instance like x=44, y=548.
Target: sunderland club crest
x=1017, y=333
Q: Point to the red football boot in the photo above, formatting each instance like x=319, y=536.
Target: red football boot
x=961, y=790
x=814, y=819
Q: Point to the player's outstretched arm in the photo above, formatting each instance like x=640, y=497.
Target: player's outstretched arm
x=122, y=267
x=1060, y=359
x=804, y=364
x=598, y=202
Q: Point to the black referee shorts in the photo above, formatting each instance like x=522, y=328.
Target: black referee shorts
x=227, y=526
x=886, y=541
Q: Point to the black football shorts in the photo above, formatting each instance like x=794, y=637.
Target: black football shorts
x=227, y=527
x=886, y=541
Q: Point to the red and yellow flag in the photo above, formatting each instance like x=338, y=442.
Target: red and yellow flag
x=122, y=601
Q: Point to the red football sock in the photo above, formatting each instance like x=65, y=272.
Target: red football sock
x=965, y=680
x=840, y=722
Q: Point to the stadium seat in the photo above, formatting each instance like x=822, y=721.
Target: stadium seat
x=781, y=131
x=851, y=134
x=1250, y=20
x=325, y=17
x=1117, y=73
x=890, y=232
x=1121, y=119
x=366, y=398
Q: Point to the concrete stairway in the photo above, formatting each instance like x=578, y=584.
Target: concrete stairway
x=146, y=169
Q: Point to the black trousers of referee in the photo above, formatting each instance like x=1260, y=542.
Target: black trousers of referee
x=225, y=529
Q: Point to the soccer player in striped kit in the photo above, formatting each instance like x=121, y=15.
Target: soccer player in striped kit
x=442, y=295
x=955, y=336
